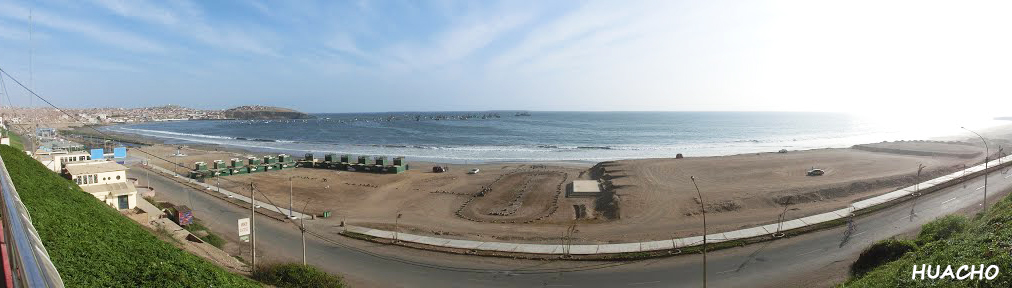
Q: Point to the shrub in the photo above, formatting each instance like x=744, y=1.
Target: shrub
x=295, y=275
x=884, y=251
x=942, y=228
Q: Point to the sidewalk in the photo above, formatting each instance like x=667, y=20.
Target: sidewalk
x=661, y=245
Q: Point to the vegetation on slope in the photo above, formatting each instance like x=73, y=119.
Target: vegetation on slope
x=295, y=275
x=92, y=245
x=955, y=241
x=198, y=228
x=16, y=141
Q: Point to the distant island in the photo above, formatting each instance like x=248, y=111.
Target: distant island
x=1003, y=118
x=256, y=112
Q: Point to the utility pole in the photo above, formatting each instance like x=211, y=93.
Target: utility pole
x=253, y=225
x=703, y=208
x=987, y=158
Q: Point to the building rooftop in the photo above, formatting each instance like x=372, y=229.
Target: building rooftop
x=114, y=189
x=586, y=186
x=92, y=167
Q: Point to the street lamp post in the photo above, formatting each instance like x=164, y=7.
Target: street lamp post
x=987, y=158
x=291, y=197
x=917, y=190
x=397, y=225
x=302, y=221
x=253, y=225
x=703, y=208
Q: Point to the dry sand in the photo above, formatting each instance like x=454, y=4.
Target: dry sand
x=656, y=199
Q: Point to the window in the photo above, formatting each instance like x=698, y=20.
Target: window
x=77, y=180
x=117, y=177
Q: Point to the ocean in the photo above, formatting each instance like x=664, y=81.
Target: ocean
x=554, y=136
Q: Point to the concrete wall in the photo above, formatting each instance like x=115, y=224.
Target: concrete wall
x=113, y=201
x=106, y=178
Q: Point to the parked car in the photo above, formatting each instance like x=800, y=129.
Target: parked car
x=816, y=172
x=473, y=171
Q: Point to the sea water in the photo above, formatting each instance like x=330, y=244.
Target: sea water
x=555, y=136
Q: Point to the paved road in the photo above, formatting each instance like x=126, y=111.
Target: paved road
x=793, y=261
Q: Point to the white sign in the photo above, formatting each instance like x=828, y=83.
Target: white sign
x=244, y=227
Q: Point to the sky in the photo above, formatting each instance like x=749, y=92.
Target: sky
x=911, y=57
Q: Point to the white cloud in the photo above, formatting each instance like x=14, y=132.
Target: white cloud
x=187, y=19
x=14, y=34
x=88, y=64
x=260, y=6
x=467, y=34
x=109, y=36
x=140, y=9
x=585, y=20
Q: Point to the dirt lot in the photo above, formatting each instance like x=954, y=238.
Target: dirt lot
x=656, y=199
x=521, y=196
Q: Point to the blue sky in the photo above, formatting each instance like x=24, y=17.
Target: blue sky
x=357, y=56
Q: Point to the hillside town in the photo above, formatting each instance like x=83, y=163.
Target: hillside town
x=22, y=115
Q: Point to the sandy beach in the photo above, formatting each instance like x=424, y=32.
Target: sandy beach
x=655, y=197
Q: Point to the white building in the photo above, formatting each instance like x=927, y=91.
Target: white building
x=105, y=180
x=56, y=161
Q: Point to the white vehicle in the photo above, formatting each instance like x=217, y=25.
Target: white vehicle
x=473, y=171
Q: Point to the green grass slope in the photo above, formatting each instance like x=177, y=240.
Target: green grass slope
x=93, y=245
x=986, y=239
x=15, y=140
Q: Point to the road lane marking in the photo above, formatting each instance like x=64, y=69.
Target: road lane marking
x=558, y=285
x=855, y=235
x=978, y=188
x=728, y=271
x=809, y=252
x=644, y=283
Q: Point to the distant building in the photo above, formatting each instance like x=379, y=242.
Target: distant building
x=106, y=180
